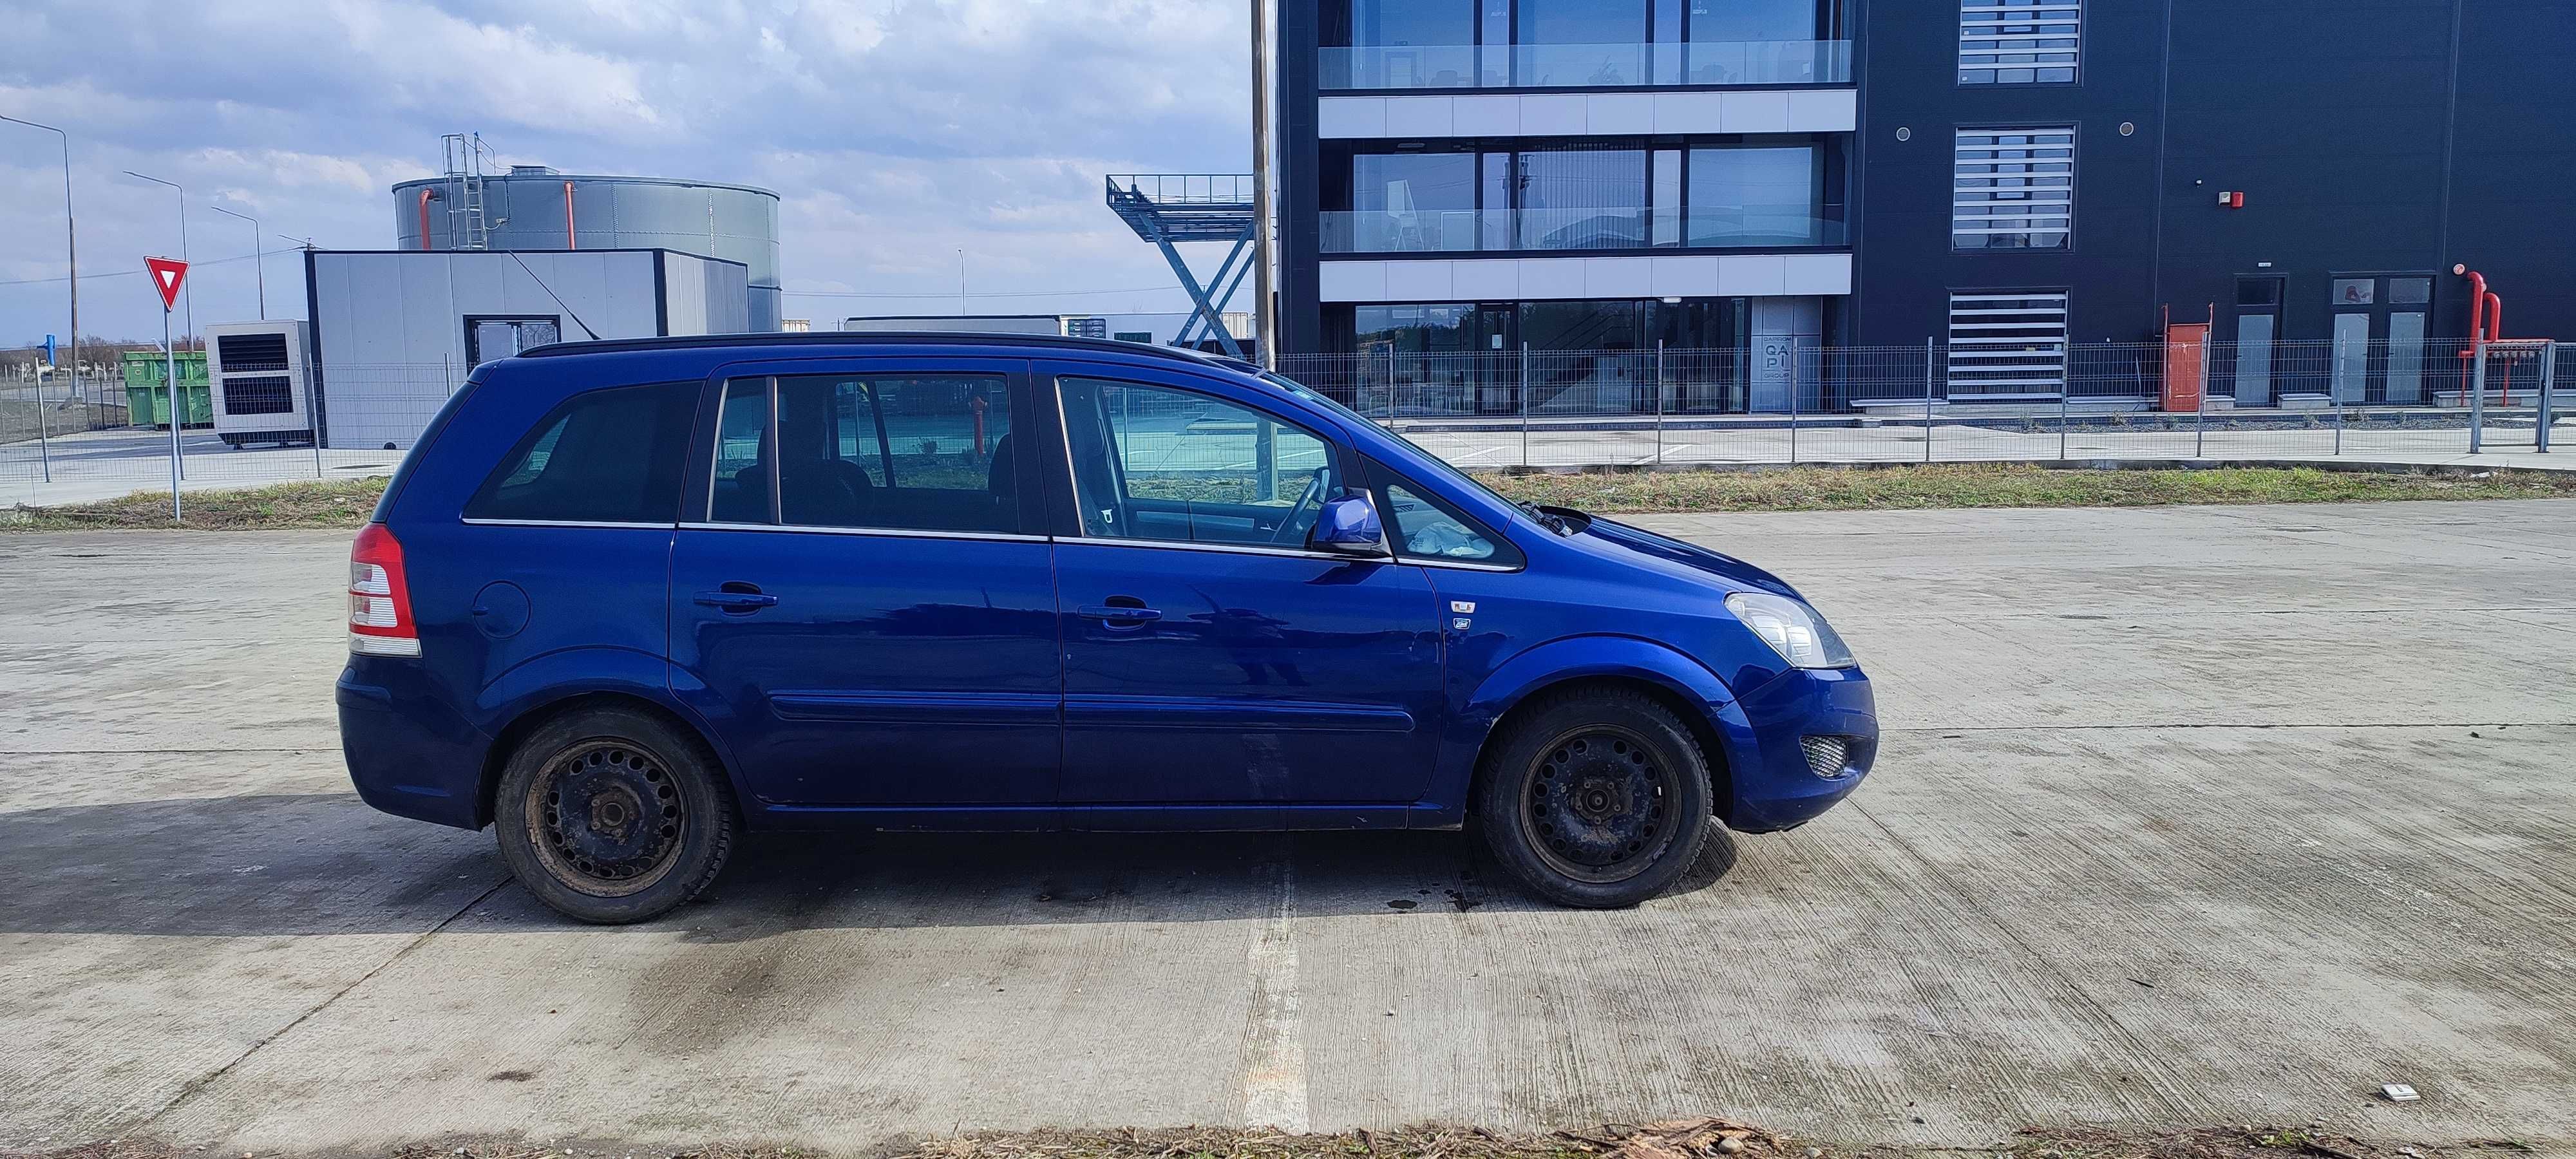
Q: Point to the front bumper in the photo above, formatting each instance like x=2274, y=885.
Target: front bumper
x=1773, y=786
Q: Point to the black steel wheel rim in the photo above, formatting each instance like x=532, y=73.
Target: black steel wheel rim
x=607, y=817
x=1598, y=804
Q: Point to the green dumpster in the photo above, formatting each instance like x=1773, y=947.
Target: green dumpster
x=147, y=393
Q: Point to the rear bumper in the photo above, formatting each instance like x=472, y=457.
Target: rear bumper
x=1773, y=787
x=409, y=754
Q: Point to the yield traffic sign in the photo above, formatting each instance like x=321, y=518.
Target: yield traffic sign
x=166, y=276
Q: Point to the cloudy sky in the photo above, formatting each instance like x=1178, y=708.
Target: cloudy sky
x=896, y=132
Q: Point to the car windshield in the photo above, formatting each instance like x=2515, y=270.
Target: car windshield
x=1438, y=464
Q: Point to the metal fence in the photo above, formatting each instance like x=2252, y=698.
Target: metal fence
x=67, y=444
x=1791, y=402
x=1783, y=403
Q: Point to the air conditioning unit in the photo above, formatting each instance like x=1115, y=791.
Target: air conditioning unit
x=263, y=382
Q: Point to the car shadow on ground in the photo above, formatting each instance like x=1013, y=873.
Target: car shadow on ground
x=306, y=864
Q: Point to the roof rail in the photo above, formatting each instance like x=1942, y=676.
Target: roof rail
x=867, y=338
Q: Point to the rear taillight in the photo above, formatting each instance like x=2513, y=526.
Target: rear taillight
x=380, y=622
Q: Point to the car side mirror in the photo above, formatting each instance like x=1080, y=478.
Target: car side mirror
x=1349, y=526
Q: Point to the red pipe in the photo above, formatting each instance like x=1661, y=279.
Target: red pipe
x=572, y=241
x=424, y=217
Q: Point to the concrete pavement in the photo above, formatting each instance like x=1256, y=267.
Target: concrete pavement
x=2185, y=815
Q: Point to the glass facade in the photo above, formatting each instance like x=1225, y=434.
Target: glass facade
x=1433, y=44
x=1587, y=357
x=1776, y=192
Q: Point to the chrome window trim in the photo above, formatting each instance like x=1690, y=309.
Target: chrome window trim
x=1235, y=548
x=1461, y=565
x=878, y=532
x=481, y=522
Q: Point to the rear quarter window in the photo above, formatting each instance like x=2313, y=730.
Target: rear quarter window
x=604, y=456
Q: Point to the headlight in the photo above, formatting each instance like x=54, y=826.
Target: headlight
x=1793, y=629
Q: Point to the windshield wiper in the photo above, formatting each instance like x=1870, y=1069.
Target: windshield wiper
x=1547, y=518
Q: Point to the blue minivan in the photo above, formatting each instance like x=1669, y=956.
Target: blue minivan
x=625, y=600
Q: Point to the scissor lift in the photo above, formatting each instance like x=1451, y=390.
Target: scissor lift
x=1170, y=209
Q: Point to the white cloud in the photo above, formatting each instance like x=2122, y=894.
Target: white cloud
x=897, y=131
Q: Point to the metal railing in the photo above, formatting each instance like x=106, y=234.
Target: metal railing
x=1376, y=231
x=1633, y=64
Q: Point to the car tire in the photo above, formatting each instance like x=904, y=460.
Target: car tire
x=613, y=815
x=1596, y=798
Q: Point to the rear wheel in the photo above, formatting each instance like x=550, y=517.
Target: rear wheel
x=613, y=815
x=1597, y=799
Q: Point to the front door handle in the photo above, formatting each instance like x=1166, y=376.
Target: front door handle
x=737, y=596
x=1125, y=611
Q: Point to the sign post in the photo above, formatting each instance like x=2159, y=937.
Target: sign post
x=166, y=276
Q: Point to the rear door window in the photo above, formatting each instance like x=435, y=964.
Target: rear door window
x=896, y=452
x=604, y=456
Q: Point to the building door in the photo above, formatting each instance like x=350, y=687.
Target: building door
x=1498, y=374
x=2258, y=327
x=2379, y=336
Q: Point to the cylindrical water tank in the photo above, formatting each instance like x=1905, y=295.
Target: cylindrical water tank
x=533, y=207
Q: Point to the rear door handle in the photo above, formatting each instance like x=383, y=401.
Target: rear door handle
x=738, y=601
x=1115, y=613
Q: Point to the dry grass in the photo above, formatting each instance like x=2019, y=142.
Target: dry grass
x=1981, y=485
x=326, y=504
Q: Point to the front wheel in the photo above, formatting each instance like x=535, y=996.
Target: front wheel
x=1597, y=799
x=613, y=816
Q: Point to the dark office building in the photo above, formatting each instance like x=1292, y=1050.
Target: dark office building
x=1761, y=175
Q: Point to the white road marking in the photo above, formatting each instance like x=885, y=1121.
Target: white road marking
x=1274, y=1072
x=1675, y=449
x=1477, y=454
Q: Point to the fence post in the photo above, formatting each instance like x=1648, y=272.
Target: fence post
x=313, y=415
x=1929, y=362
x=2338, y=405
x=2063, y=389
x=2200, y=402
x=1659, y=402
x=1524, y=392
x=1391, y=407
x=44, y=436
x=2547, y=399
x=1793, y=402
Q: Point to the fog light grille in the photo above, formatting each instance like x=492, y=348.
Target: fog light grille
x=1827, y=756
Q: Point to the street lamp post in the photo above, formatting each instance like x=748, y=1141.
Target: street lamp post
x=71, y=259
x=188, y=291
x=259, y=256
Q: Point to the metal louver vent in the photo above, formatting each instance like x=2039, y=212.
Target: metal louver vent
x=239, y=353
x=2007, y=344
x=2019, y=41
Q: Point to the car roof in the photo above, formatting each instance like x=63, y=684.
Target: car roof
x=841, y=339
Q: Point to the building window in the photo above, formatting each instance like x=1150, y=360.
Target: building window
x=2019, y=41
x=1441, y=44
x=1766, y=192
x=1757, y=195
x=2007, y=344
x=2013, y=188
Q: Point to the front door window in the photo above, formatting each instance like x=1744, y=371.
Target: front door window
x=1153, y=462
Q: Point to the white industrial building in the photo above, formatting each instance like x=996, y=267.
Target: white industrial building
x=395, y=332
